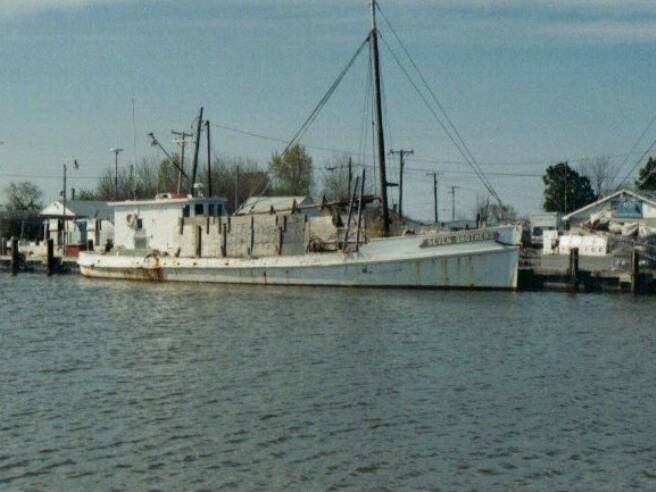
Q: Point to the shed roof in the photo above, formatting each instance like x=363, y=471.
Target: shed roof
x=79, y=209
x=263, y=204
x=647, y=197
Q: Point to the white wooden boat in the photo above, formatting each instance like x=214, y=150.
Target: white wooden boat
x=158, y=244
x=470, y=259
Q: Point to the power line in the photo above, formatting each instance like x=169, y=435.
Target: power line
x=635, y=166
x=543, y=162
x=633, y=148
x=472, y=163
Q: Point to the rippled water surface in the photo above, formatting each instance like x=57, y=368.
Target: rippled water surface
x=132, y=386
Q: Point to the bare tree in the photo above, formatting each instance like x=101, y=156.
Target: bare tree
x=24, y=197
x=482, y=209
x=489, y=213
x=335, y=177
x=237, y=176
x=600, y=172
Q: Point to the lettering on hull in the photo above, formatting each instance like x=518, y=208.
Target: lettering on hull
x=459, y=238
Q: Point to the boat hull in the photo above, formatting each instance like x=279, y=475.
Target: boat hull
x=486, y=265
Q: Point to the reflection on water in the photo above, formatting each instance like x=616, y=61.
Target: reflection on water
x=111, y=385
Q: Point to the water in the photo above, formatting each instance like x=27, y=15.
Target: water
x=132, y=386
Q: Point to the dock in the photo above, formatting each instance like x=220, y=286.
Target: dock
x=576, y=273
x=14, y=262
x=60, y=266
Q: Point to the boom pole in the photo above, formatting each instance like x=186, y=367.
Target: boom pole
x=194, y=169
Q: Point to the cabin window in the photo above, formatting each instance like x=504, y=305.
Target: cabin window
x=219, y=209
x=185, y=211
x=211, y=210
x=199, y=209
x=139, y=224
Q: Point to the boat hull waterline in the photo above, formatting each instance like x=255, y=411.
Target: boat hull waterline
x=482, y=265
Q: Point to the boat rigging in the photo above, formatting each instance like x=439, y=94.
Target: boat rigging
x=423, y=90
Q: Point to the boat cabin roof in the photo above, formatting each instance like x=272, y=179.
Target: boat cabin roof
x=165, y=200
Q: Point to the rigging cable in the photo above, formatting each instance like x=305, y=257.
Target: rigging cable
x=476, y=169
x=315, y=112
x=471, y=159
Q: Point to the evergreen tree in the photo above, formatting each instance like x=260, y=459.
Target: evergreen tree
x=565, y=189
x=647, y=176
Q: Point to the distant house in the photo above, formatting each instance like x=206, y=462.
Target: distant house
x=622, y=207
x=80, y=222
x=256, y=205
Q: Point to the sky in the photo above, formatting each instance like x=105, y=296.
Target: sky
x=527, y=84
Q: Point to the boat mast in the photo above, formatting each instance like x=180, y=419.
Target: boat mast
x=378, y=112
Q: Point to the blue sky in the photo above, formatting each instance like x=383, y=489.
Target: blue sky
x=526, y=83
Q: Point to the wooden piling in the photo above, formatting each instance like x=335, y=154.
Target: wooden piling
x=199, y=241
x=251, y=245
x=635, y=272
x=50, y=259
x=574, y=268
x=3, y=246
x=224, y=241
x=281, y=236
x=14, y=255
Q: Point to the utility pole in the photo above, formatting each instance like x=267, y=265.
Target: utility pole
x=133, y=183
x=116, y=151
x=378, y=113
x=434, y=174
x=236, y=188
x=182, y=141
x=453, y=202
x=64, y=196
x=565, y=211
x=209, y=159
x=155, y=143
x=402, y=153
x=350, y=173
x=65, y=222
x=194, y=169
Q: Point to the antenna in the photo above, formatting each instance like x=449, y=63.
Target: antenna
x=134, y=132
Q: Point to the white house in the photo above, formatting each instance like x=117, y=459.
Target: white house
x=257, y=205
x=82, y=221
x=153, y=224
x=624, y=209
